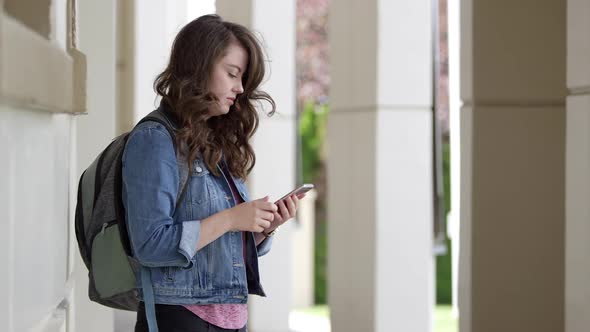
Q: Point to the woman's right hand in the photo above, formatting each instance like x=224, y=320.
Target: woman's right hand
x=253, y=216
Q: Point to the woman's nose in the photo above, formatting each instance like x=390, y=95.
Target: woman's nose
x=238, y=88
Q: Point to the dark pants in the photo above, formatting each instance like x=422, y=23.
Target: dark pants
x=176, y=318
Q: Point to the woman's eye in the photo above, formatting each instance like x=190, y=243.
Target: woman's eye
x=232, y=75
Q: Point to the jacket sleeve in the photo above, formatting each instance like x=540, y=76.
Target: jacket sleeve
x=150, y=188
x=264, y=247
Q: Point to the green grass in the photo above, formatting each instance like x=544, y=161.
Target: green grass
x=443, y=318
x=317, y=310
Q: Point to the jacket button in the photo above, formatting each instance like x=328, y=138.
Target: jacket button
x=198, y=169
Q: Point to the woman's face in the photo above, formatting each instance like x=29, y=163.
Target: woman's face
x=226, y=80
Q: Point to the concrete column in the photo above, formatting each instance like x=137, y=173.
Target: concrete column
x=577, y=188
x=139, y=58
x=513, y=165
x=126, y=59
x=96, y=38
x=155, y=25
x=380, y=212
x=274, y=143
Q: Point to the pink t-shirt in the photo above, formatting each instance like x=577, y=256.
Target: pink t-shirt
x=227, y=316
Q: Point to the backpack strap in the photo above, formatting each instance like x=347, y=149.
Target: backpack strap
x=169, y=122
x=165, y=119
x=148, y=298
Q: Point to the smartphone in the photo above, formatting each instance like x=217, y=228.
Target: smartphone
x=298, y=191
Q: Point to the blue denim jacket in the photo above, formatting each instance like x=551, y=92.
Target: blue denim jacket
x=165, y=240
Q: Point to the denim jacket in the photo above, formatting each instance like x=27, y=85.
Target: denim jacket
x=165, y=240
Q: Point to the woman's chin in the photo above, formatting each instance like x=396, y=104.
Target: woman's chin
x=219, y=112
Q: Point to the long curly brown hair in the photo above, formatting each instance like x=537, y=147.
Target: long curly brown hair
x=184, y=88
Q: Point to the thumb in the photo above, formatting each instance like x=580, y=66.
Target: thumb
x=264, y=199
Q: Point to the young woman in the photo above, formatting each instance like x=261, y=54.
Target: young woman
x=199, y=249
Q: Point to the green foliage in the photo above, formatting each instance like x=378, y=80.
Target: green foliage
x=443, y=263
x=443, y=277
x=446, y=152
x=320, y=263
x=312, y=128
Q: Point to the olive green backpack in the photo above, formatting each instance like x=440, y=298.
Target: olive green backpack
x=100, y=225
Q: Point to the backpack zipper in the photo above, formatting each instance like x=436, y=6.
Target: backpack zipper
x=103, y=229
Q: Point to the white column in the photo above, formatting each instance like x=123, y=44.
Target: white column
x=577, y=191
x=303, y=253
x=274, y=143
x=96, y=38
x=156, y=25
x=455, y=141
x=144, y=40
x=380, y=213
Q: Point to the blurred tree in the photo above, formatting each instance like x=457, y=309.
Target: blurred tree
x=313, y=81
x=313, y=77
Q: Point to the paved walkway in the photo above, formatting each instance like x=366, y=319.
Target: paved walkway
x=305, y=322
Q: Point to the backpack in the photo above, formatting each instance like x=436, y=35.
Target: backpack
x=101, y=230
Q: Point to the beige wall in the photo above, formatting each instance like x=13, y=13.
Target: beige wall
x=37, y=183
x=33, y=13
x=34, y=204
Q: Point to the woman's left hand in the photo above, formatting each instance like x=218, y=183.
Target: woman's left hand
x=287, y=210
